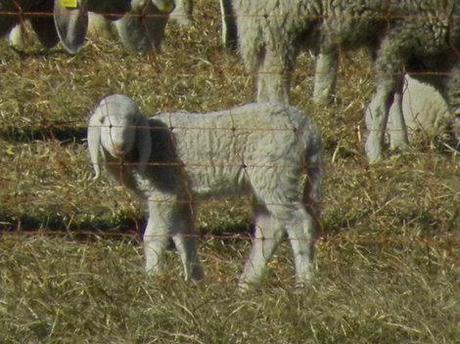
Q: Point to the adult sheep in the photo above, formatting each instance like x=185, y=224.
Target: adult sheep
x=140, y=23
x=174, y=160
x=420, y=37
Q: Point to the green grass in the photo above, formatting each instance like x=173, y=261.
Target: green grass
x=71, y=261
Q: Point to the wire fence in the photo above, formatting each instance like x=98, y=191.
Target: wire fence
x=238, y=161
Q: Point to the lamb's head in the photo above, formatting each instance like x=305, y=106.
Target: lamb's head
x=117, y=130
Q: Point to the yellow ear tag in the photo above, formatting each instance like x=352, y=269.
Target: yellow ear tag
x=69, y=3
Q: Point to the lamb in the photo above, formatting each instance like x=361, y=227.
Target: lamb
x=141, y=26
x=424, y=110
x=174, y=160
x=414, y=36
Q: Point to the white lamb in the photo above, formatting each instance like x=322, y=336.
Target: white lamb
x=173, y=160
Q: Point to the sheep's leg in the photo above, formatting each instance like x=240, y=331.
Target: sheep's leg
x=390, y=72
x=156, y=237
x=229, y=28
x=16, y=36
x=325, y=76
x=398, y=134
x=302, y=230
x=182, y=14
x=376, y=118
x=273, y=79
x=268, y=234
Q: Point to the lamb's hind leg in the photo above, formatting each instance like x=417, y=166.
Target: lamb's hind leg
x=268, y=234
x=302, y=231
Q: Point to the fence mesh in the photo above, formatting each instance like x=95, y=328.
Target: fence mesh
x=21, y=15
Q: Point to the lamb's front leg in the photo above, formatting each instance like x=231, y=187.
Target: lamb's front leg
x=156, y=237
x=186, y=245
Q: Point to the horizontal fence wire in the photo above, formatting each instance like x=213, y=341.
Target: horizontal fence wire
x=244, y=164
x=374, y=16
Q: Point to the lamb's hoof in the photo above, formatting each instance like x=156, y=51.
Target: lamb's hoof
x=374, y=154
x=244, y=286
x=399, y=145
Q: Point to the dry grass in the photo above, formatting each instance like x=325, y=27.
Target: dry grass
x=388, y=267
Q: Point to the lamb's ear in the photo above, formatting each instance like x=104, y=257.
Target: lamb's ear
x=43, y=25
x=71, y=19
x=94, y=141
x=143, y=142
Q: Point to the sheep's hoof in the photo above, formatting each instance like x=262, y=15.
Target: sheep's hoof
x=197, y=274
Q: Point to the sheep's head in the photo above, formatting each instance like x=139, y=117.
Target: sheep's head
x=117, y=129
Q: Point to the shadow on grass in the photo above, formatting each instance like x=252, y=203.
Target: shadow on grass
x=120, y=229
x=34, y=54
x=64, y=133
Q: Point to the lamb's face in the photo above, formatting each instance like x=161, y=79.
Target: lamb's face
x=118, y=135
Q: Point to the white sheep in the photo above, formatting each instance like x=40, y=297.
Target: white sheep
x=414, y=36
x=174, y=160
x=140, y=23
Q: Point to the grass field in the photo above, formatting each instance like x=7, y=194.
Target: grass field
x=388, y=263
